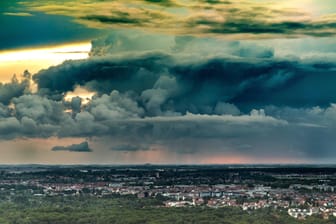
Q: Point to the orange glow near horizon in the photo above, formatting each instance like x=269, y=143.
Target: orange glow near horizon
x=35, y=59
x=38, y=151
x=230, y=159
x=239, y=159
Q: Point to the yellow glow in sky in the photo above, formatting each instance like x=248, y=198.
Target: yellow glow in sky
x=33, y=60
x=81, y=92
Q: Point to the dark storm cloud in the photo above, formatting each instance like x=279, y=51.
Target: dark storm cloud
x=162, y=2
x=114, y=19
x=239, y=98
x=142, y=69
x=248, y=26
x=121, y=117
x=161, y=81
x=81, y=147
x=169, y=82
x=184, y=95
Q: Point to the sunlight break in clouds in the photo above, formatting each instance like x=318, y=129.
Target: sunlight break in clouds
x=35, y=59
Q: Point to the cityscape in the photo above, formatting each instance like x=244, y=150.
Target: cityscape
x=300, y=192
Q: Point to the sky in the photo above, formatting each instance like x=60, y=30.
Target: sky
x=168, y=82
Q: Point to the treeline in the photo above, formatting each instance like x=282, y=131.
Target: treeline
x=130, y=210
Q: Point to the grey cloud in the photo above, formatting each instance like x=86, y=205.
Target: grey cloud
x=253, y=52
x=13, y=89
x=164, y=88
x=226, y=108
x=76, y=103
x=120, y=42
x=275, y=131
x=128, y=41
x=11, y=128
x=81, y=147
x=168, y=83
x=9, y=125
x=83, y=124
x=314, y=117
x=38, y=108
x=206, y=126
x=265, y=136
x=129, y=148
x=4, y=111
x=224, y=99
x=29, y=125
x=241, y=101
x=114, y=106
x=257, y=26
